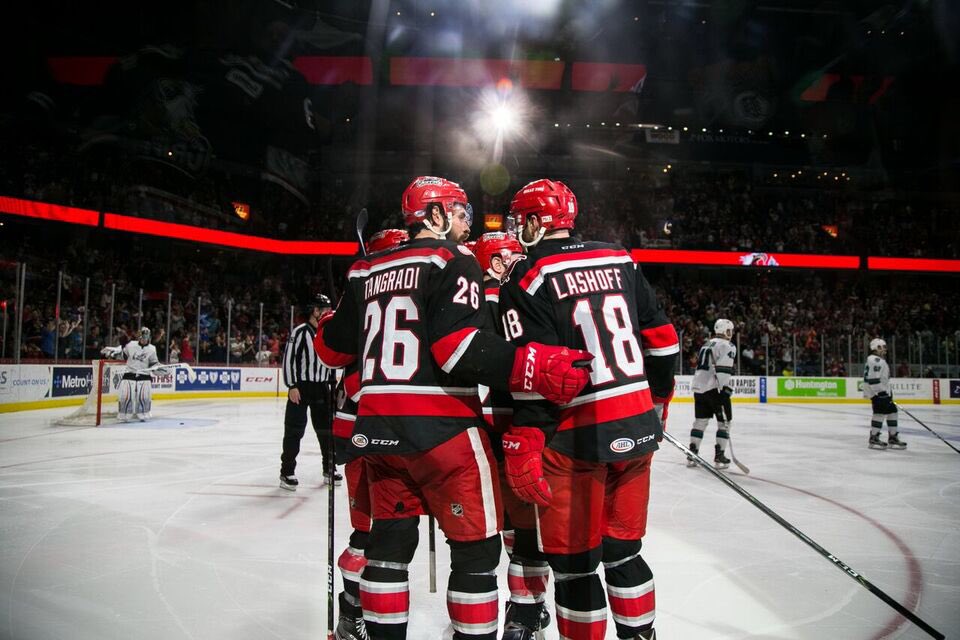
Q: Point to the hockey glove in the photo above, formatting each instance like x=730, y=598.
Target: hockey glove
x=662, y=407
x=111, y=352
x=523, y=464
x=556, y=373
x=726, y=391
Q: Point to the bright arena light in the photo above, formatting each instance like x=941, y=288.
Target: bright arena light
x=502, y=115
x=503, y=118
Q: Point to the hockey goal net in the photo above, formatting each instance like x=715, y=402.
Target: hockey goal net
x=100, y=405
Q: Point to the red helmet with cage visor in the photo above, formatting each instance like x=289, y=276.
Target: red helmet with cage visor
x=553, y=202
x=427, y=190
x=500, y=244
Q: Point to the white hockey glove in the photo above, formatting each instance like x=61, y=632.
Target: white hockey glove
x=111, y=352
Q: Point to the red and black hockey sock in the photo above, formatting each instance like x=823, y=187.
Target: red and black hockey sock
x=527, y=579
x=472, y=597
x=629, y=587
x=581, y=606
x=385, y=598
x=351, y=563
x=384, y=586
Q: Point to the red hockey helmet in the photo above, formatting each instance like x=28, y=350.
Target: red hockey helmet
x=427, y=190
x=496, y=243
x=386, y=239
x=553, y=202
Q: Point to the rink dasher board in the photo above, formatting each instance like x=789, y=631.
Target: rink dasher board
x=44, y=386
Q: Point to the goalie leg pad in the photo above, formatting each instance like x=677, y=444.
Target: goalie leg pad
x=125, y=393
x=144, y=396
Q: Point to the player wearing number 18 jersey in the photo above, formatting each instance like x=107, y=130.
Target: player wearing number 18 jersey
x=411, y=317
x=586, y=463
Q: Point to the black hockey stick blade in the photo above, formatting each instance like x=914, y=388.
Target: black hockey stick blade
x=866, y=584
x=361, y=225
x=920, y=422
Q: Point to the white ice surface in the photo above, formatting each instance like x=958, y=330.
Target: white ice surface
x=163, y=530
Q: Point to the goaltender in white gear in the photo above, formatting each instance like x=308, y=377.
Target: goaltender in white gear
x=136, y=391
x=712, y=391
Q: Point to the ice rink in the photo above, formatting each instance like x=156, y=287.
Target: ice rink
x=176, y=529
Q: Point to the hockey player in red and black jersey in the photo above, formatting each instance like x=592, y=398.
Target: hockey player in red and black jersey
x=350, y=625
x=527, y=576
x=411, y=317
x=586, y=463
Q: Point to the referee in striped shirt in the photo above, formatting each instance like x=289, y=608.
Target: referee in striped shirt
x=308, y=385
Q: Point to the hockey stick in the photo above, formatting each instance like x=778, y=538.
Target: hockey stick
x=361, y=225
x=332, y=401
x=918, y=421
x=432, y=541
x=733, y=456
x=191, y=374
x=866, y=584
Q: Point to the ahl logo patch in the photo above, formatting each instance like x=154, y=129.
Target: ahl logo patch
x=621, y=445
x=359, y=440
x=456, y=509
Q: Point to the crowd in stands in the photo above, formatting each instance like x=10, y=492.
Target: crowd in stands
x=786, y=322
x=690, y=208
x=815, y=327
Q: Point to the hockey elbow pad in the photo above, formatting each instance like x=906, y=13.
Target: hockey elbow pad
x=523, y=464
x=556, y=373
x=329, y=357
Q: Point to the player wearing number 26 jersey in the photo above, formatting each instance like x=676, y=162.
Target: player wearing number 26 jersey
x=586, y=463
x=411, y=317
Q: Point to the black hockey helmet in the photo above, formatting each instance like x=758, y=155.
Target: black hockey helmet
x=318, y=301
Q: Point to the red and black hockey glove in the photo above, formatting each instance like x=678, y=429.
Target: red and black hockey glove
x=523, y=462
x=662, y=407
x=556, y=373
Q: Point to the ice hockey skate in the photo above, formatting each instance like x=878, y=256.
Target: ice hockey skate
x=525, y=623
x=894, y=442
x=289, y=482
x=875, y=442
x=691, y=461
x=720, y=460
x=335, y=478
x=349, y=628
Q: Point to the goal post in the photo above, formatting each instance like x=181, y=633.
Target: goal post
x=100, y=405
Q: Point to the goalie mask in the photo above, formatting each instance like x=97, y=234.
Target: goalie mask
x=144, y=337
x=724, y=328
x=878, y=346
x=429, y=190
x=552, y=202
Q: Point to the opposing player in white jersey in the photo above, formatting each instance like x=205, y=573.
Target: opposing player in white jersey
x=136, y=392
x=876, y=386
x=712, y=391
